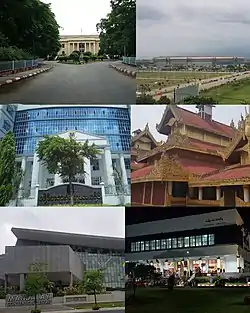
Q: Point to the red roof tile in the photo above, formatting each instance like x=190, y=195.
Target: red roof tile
x=200, y=167
x=134, y=165
x=204, y=146
x=243, y=171
x=191, y=118
x=140, y=173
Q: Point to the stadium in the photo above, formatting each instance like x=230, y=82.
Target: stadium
x=209, y=61
x=67, y=256
x=108, y=127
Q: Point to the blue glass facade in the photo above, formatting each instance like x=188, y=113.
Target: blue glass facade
x=111, y=122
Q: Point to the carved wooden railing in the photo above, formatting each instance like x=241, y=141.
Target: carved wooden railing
x=242, y=203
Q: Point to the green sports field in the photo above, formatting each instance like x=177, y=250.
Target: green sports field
x=160, y=300
x=234, y=93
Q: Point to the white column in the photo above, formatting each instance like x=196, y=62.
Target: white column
x=87, y=169
x=21, y=282
x=246, y=193
x=108, y=167
x=35, y=174
x=218, y=193
x=200, y=193
x=57, y=180
x=170, y=188
x=123, y=169
x=23, y=167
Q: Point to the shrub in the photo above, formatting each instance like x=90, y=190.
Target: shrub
x=247, y=300
x=95, y=307
x=202, y=279
x=13, y=53
x=36, y=311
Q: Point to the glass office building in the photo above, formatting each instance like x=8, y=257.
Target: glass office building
x=33, y=122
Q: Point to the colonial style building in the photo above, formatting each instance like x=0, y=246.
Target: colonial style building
x=81, y=43
x=202, y=161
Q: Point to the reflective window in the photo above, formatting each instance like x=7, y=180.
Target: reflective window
x=180, y=242
x=158, y=244
x=204, y=240
x=173, y=243
x=111, y=123
x=111, y=262
x=163, y=244
x=192, y=241
x=198, y=241
x=211, y=239
x=186, y=242
x=152, y=245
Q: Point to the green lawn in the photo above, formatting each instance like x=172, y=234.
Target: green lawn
x=191, y=300
x=231, y=93
x=173, y=78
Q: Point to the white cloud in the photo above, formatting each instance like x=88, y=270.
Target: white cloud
x=193, y=27
x=76, y=14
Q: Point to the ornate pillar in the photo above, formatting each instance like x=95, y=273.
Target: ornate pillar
x=35, y=174
x=108, y=167
x=87, y=169
x=246, y=193
x=123, y=169
x=200, y=196
x=218, y=193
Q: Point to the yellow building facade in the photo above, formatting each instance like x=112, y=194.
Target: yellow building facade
x=85, y=43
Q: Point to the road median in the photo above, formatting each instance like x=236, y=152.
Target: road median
x=10, y=79
x=124, y=71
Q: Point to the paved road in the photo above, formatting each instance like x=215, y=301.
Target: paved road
x=94, y=83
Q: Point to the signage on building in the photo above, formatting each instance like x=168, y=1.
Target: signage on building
x=60, y=195
x=214, y=222
x=22, y=300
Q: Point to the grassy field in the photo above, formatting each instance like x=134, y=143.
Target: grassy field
x=173, y=78
x=189, y=301
x=230, y=94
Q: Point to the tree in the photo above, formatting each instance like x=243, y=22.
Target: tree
x=86, y=58
x=75, y=56
x=37, y=281
x=120, y=184
x=200, y=100
x=17, y=179
x=118, y=30
x=38, y=34
x=145, y=99
x=65, y=157
x=93, y=283
x=7, y=164
x=164, y=100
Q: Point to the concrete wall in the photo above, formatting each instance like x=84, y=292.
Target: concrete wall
x=58, y=259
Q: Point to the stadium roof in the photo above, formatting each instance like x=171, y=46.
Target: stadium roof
x=61, y=238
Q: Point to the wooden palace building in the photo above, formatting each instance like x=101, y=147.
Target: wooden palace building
x=202, y=162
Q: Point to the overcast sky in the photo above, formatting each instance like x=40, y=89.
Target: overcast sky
x=151, y=114
x=192, y=27
x=103, y=221
x=76, y=14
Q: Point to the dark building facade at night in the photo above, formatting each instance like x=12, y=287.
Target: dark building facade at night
x=214, y=240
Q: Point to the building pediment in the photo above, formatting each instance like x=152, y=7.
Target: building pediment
x=81, y=137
